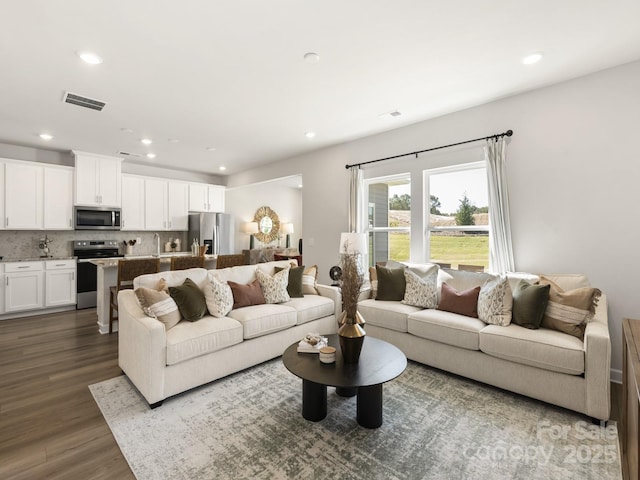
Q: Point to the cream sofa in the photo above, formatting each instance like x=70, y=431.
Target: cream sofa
x=544, y=364
x=163, y=363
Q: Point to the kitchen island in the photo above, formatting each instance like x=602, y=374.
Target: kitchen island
x=107, y=272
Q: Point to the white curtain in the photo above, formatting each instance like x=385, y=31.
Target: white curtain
x=356, y=201
x=500, y=246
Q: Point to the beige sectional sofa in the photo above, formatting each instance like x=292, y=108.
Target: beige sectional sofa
x=162, y=363
x=544, y=364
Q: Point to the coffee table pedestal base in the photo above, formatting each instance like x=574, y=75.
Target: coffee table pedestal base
x=314, y=401
x=369, y=404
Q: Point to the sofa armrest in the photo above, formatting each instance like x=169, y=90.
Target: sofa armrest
x=142, y=343
x=597, y=363
x=334, y=294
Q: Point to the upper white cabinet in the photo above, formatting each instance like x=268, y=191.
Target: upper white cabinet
x=98, y=180
x=58, y=198
x=206, y=198
x=166, y=205
x=132, y=202
x=24, y=196
x=2, y=215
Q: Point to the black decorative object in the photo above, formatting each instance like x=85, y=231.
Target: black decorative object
x=336, y=274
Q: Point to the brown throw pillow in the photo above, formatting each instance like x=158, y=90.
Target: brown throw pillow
x=246, y=295
x=190, y=300
x=391, y=283
x=529, y=304
x=569, y=311
x=463, y=303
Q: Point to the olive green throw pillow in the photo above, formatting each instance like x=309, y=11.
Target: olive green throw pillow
x=294, y=287
x=391, y=283
x=190, y=300
x=529, y=304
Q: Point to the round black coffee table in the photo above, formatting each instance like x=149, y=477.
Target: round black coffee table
x=379, y=362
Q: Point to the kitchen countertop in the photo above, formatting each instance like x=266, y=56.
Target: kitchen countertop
x=35, y=259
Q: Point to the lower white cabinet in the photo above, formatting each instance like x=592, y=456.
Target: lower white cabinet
x=37, y=285
x=60, y=283
x=24, y=286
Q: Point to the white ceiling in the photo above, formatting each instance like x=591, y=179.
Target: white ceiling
x=230, y=74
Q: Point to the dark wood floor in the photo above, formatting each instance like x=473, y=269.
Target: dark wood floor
x=50, y=426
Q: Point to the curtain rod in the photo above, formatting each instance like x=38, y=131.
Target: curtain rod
x=508, y=133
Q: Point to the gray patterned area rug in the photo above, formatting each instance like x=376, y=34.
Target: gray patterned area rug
x=249, y=426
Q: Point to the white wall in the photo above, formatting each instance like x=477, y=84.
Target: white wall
x=242, y=203
x=573, y=168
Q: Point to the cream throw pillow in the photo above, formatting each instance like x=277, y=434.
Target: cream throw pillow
x=421, y=291
x=495, y=302
x=309, y=278
x=218, y=296
x=274, y=288
x=158, y=304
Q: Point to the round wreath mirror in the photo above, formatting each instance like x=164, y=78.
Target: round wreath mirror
x=268, y=224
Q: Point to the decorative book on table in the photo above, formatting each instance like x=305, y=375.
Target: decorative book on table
x=312, y=343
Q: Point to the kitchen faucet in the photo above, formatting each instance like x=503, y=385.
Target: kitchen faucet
x=156, y=238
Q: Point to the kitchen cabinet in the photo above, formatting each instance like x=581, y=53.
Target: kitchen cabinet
x=206, y=198
x=133, y=203
x=60, y=283
x=98, y=180
x=24, y=286
x=166, y=205
x=2, y=280
x=2, y=215
x=23, y=196
x=58, y=198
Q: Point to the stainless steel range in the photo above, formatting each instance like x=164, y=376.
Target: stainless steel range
x=87, y=250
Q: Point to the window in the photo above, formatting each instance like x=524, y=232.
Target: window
x=458, y=216
x=389, y=218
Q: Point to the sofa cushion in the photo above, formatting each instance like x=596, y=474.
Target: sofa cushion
x=311, y=307
x=529, y=304
x=246, y=295
x=462, y=302
x=463, y=280
x=495, y=302
x=172, y=278
x=192, y=339
x=569, y=311
x=274, y=288
x=391, y=283
x=391, y=315
x=542, y=348
x=446, y=327
x=190, y=300
x=258, y=320
x=421, y=290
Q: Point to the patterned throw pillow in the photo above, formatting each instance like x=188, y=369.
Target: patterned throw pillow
x=218, y=297
x=373, y=278
x=495, y=302
x=421, y=291
x=274, y=288
x=159, y=305
x=309, y=279
x=569, y=311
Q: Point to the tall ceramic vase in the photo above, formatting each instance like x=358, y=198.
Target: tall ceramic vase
x=351, y=336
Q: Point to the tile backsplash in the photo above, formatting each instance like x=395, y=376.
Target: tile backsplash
x=24, y=244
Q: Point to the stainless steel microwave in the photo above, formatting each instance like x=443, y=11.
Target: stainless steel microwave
x=97, y=218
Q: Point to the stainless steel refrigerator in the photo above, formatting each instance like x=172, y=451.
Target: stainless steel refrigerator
x=213, y=229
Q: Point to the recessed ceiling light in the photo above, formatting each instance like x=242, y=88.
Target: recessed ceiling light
x=173, y=140
x=310, y=134
x=151, y=155
x=126, y=130
x=531, y=59
x=46, y=136
x=90, y=58
x=222, y=168
x=311, y=57
x=146, y=141
x=211, y=149
x=300, y=186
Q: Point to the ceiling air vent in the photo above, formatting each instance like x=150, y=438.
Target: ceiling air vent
x=81, y=101
x=128, y=154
